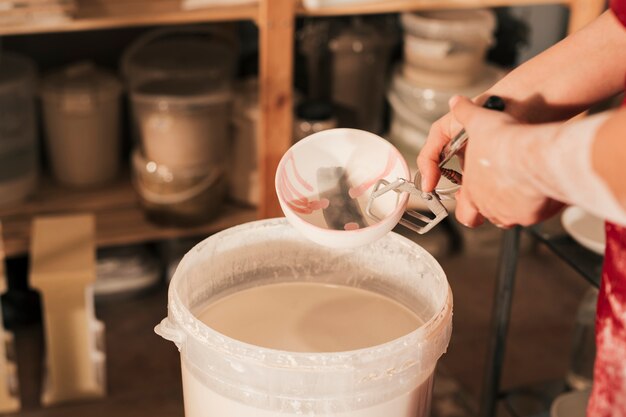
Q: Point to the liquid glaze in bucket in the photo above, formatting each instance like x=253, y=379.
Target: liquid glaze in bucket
x=226, y=377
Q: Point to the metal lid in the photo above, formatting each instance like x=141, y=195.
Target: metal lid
x=80, y=86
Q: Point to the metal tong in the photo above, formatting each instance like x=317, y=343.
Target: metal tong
x=421, y=223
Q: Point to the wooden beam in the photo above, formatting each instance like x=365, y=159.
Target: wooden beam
x=276, y=33
x=396, y=6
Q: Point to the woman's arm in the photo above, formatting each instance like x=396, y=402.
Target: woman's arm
x=569, y=77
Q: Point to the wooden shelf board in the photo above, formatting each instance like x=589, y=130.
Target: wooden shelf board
x=119, y=217
x=107, y=14
x=396, y=6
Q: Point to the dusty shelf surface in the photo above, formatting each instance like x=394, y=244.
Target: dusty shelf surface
x=119, y=217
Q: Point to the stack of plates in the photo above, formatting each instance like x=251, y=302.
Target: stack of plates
x=443, y=56
x=16, y=12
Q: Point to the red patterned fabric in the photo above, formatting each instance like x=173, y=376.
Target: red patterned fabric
x=619, y=8
x=608, y=398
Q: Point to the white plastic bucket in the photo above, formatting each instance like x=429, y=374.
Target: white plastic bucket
x=225, y=377
x=183, y=123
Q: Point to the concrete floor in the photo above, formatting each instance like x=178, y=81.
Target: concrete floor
x=547, y=294
x=143, y=370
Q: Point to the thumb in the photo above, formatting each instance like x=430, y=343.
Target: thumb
x=464, y=110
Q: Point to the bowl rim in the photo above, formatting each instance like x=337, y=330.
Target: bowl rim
x=397, y=211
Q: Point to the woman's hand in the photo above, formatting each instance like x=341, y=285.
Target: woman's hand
x=495, y=182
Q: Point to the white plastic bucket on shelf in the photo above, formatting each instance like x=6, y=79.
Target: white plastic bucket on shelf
x=81, y=105
x=18, y=128
x=183, y=123
x=225, y=377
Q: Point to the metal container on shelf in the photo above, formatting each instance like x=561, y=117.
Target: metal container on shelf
x=313, y=116
x=18, y=128
x=81, y=106
x=360, y=55
x=178, y=196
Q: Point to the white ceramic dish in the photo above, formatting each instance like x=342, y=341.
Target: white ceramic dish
x=324, y=182
x=585, y=228
x=571, y=404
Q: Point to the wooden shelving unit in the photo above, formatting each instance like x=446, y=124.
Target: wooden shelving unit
x=108, y=14
x=119, y=217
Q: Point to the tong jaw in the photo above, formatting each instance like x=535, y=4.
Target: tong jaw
x=420, y=223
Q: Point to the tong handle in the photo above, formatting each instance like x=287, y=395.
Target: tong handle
x=457, y=142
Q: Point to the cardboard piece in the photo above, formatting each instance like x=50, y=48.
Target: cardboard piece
x=63, y=269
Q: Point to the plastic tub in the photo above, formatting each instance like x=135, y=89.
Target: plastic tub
x=178, y=196
x=183, y=123
x=81, y=106
x=18, y=128
x=184, y=52
x=225, y=377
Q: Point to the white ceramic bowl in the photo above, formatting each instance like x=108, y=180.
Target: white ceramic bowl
x=324, y=182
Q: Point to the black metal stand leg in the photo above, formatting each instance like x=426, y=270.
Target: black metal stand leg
x=455, y=236
x=501, y=313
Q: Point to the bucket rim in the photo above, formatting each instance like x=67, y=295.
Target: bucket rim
x=437, y=329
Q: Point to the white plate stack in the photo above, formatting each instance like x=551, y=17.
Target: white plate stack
x=17, y=12
x=444, y=55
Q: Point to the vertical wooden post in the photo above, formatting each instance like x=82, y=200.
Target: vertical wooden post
x=583, y=12
x=276, y=33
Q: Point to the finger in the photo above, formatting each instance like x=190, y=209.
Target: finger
x=428, y=158
x=466, y=212
x=466, y=111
